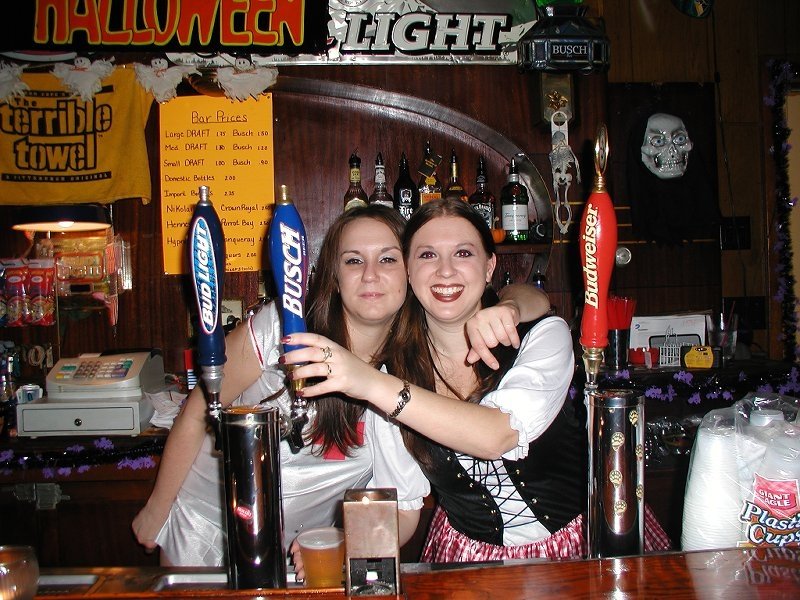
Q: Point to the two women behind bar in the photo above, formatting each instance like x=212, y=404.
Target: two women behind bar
x=359, y=289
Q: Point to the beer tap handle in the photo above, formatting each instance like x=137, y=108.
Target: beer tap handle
x=288, y=255
x=598, y=244
x=207, y=260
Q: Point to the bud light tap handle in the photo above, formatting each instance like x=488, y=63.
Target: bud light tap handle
x=598, y=244
x=288, y=256
x=207, y=259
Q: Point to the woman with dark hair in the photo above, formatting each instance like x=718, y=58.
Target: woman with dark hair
x=502, y=449
x=360, y=285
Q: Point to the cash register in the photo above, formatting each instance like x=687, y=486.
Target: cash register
x=95, y=395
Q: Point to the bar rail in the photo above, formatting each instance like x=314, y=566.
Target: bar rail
x=730, y=573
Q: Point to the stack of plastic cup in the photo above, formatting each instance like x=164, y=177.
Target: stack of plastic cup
x=712, y=502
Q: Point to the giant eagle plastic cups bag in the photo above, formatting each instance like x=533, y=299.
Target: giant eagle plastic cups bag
x=742, y=489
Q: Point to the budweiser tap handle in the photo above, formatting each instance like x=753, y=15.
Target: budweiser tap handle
x=598, y=243
x=207, y=248
x=288, y=255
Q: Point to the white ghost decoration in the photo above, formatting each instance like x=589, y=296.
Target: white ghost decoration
x=666, y=146
x=83, y=78
x=244, y=80
x=160, y=79
x=11, y=84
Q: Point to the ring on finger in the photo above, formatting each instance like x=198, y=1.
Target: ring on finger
x=330, y=371
x=326, y=353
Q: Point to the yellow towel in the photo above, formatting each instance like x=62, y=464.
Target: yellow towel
x=56, y=148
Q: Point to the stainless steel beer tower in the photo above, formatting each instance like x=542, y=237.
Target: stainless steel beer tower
x=616, y=473
x=254, y=511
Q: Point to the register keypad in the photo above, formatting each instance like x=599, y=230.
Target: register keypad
x=95, y=369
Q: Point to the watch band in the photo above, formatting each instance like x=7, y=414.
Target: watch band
x=403, y=398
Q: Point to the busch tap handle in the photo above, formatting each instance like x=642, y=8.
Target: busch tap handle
x=207, y=259
x=288, y=257
x=598, y=244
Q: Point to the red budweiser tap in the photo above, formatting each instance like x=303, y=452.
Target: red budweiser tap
x=598, y=244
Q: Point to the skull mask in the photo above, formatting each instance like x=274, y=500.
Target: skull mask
x=666, y=146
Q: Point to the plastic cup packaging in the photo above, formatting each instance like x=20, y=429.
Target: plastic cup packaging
x=322, y=551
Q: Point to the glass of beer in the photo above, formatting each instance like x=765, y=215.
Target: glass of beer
x=322, y=551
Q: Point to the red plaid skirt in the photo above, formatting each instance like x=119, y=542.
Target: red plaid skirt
x=445, y=544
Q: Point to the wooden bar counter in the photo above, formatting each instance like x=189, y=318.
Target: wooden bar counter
x=735, y=573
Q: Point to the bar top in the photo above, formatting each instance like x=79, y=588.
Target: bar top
x=735, y=573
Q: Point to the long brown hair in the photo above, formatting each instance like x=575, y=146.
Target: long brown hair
x=337, y=416
x=409, y=356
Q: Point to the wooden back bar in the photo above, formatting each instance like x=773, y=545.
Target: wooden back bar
x=474, y=109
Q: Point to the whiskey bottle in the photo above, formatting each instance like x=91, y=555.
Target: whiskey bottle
x=380, y=195
x=406, y=193
x=514, y=206
x=482, y=200
x=355, y=195
x=454, y=188
x=430, y=188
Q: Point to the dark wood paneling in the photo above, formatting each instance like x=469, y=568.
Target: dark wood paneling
x=314, y=136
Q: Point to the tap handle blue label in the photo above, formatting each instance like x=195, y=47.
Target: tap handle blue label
x=288, y=254
x=207, y=248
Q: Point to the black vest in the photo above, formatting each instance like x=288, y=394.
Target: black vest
x=552, y=480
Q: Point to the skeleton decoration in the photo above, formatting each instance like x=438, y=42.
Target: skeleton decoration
x=84, y=77
x=672, y=199
x=160, y=79
x=11, y=83
x=561, y=158
x=666, y=146
x=244, y=80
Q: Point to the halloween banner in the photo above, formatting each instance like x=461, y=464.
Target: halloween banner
x=73, y=137
x=275, y=32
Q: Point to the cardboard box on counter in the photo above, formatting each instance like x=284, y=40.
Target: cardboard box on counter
x=689, y=330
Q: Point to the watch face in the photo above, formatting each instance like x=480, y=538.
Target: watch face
x=623, y=256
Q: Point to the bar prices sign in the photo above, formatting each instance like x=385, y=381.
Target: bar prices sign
x=227, y=146
x=276, y=31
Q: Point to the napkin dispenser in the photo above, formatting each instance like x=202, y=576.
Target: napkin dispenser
x=372, y=542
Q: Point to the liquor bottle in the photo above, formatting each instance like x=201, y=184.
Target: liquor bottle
x=482, y=200
x=406, y=193
x=430, y=188
x=380, y=195
x=514, y=206
x=355, y=195
x=454, y=188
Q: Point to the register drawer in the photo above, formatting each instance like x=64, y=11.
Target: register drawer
x=83, y=418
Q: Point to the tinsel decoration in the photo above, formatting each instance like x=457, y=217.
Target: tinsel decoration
x=82, y=457
x=781, y=76
x=702, y=387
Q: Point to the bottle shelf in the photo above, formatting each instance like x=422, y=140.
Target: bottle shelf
x=538, y=248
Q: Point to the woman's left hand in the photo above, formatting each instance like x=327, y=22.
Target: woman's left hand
x=327, y=367
x=489, y=328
